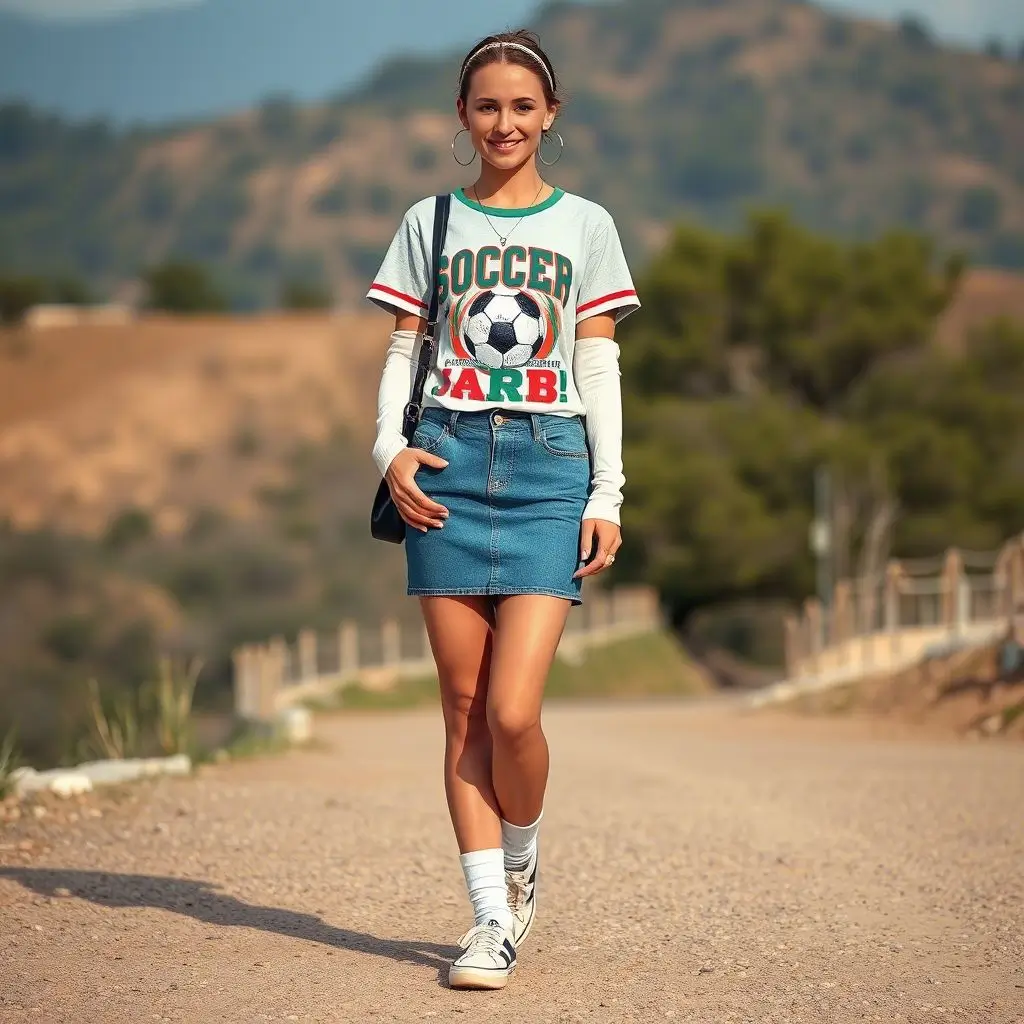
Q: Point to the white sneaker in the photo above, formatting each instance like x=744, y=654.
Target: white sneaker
x=488, y=960
x=522, y=899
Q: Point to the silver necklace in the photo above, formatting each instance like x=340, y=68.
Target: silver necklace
x=504, y=238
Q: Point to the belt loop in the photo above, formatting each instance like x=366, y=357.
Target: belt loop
x=453, y=420
x=535, y=426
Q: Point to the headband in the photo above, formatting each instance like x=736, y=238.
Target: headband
x=516, y=46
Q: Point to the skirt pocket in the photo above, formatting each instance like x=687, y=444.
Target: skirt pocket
x=565, y=436
x=430, y=435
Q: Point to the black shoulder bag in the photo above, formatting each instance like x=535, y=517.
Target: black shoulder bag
x=385, y=521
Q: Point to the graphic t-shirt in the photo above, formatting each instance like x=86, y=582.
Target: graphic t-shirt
x=513, y=284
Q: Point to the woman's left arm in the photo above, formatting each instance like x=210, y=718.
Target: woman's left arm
x=596, y=372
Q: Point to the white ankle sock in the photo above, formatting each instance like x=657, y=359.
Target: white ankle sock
x=519, y=843
x=485, y=880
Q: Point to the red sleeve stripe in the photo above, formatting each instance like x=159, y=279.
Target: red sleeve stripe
x=398, y=295
x=629, y=294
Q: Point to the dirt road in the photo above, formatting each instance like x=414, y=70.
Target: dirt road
x=697, y=867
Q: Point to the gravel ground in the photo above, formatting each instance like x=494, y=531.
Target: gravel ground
x=698, y=865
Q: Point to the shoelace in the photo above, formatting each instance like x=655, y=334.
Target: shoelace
x=482, y=938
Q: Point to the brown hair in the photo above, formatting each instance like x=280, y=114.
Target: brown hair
x=488, y=52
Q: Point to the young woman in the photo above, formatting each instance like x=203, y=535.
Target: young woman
x=512, y=485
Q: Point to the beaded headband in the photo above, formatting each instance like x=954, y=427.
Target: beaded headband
x=515, y=46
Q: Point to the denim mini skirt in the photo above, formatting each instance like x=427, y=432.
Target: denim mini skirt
x=515, y=487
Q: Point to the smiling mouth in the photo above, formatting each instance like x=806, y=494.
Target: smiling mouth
x=505, y=145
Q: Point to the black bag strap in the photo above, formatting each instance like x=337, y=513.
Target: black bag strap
x=411, y=415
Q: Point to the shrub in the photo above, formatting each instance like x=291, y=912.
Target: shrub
x=180, y=286
x=380, y=198
x=423, y=158
x=18, y=295
x=173, y=690
x=335, y=200
x=129, y=527
x=116, y=727
x=916, y=32
x=305, y=295
x=70, y=637
x=247, y=442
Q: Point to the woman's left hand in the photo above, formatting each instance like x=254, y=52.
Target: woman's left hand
x=608, y=539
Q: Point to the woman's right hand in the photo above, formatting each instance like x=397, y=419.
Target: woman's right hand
x=418, y=511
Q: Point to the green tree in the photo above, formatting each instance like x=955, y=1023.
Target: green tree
x=676, y=345
x=757, y=359
x=823, y=313
x=305, y=295
x=71, y=289
x=916, y=32
x=18, y=294
x=183, y=287
x=127, y=528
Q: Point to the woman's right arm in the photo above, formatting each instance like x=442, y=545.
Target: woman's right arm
x=397, y=461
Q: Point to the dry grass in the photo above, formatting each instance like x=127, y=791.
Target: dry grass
x=172, y=415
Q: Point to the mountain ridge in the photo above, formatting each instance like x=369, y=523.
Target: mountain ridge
x=677, y=110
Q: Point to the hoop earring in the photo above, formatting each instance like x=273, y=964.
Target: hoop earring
x=455, y=157
x=561, y=149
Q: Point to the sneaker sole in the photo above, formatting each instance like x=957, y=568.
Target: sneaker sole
x=473, y=978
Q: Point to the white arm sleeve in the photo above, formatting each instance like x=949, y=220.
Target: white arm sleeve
x=396, y=382
x=595, y=367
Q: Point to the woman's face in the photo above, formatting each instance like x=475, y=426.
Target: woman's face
x=506, y=113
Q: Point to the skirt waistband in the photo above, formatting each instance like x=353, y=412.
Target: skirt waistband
x=488, y=419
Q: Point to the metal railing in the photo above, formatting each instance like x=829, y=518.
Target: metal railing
x=917, y=609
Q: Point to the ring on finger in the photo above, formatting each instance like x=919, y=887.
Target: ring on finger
x=609, y=560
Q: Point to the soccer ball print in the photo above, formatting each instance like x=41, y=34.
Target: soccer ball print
x=503, y=328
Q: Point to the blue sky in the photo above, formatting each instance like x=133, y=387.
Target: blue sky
x=961, y=19
x=86, y=8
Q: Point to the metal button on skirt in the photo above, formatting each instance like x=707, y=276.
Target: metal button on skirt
x=515, y=487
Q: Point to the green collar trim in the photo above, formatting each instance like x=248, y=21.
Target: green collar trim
x=499, y=211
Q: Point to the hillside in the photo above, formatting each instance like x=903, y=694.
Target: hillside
x=183, y=416
x=173, y=485
x=176, y=416
x=677, y=110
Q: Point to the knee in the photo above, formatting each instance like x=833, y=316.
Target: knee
x=511, y=725
x=465, y=716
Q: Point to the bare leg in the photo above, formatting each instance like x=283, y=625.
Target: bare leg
x=528, y=628
x=460, y=638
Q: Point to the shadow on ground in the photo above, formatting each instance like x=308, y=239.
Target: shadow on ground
x=203, y=902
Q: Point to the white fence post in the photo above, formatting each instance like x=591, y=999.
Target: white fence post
x=307, y=655
x=348, y=650
x=263, y=671
x=391, y=642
